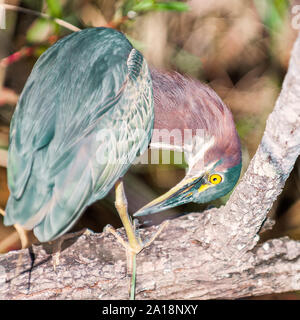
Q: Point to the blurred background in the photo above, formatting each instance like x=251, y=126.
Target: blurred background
x=240, y=48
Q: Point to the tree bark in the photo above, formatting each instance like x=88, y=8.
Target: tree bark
x=198, y=256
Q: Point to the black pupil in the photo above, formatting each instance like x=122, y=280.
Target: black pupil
x=215, y=179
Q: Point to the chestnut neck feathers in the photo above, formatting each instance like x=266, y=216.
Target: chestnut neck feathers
x=184, y=103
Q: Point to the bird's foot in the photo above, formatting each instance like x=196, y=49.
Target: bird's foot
x=25, y=243
x=57, y=244
x=139, y=245
x=134, y=249
x=149, y=241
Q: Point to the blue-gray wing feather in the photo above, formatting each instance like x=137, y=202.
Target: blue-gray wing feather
x=85, y=113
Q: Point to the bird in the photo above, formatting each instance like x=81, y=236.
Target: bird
x=89, y=108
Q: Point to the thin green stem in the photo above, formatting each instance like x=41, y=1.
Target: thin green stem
x=133, y=278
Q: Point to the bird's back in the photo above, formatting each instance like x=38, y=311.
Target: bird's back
x=85, y=112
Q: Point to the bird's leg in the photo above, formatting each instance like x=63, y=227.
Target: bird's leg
x=148, y=242
x=25, y=242
x=57, y=244
x=23, y=234
x=2, y=212
x=135, y=244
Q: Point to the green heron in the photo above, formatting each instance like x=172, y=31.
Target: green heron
x=88, y=109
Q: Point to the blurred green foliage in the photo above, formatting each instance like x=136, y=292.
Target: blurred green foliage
x=55, y=8
x=42, y=27
x=40, y=30
x=272, y=13
x=153, y=5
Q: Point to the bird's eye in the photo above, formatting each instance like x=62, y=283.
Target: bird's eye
x=215, y=179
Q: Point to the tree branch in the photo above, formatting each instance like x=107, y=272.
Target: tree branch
x=174, y=267
x=209, y=255
x=60, y=22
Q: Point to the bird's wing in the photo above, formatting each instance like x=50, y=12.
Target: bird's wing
x=84, y=114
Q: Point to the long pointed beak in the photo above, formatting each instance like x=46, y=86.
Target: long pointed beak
x=180, y=194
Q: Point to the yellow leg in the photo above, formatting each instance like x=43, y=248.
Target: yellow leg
x=135, y=244
x=26, y=237
x=23, y=234
x=121, y=206
x=57, y=244
x=2, y=212
x=25, y=242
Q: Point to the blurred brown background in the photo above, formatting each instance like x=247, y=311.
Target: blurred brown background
x=240, y=48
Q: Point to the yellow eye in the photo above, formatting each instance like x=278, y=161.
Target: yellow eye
x=215, y=179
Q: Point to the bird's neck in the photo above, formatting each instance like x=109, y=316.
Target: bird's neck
x=185, y=108
x=181, y=108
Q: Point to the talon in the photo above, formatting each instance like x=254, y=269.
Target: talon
x=107, y=228
x=88, y=232
x=55, y=260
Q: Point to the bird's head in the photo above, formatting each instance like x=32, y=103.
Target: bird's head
x=213, y=152
x=211, y=183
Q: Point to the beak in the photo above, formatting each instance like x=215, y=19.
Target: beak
x=180, y=194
